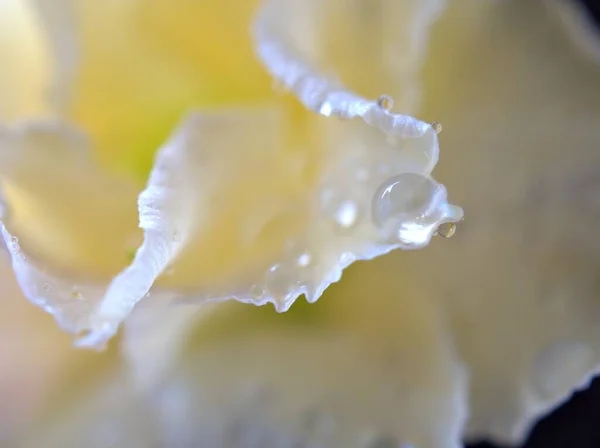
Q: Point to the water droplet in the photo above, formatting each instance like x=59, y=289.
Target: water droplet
x=256, y=292
x=386, y=102
x=15, y=240
x=447, y=229
x=346, y=214
x=304, y=260
x=47, y=287
x=406, y=196
x=176, y=237
x=76, y=295
x=278, y=282
x=437, y=127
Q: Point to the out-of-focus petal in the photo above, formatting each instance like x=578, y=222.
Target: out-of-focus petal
x=374, y=47
x=372, y=364
x=520, y=108
x=25, y=62
x=142, y=65
x=34, y=353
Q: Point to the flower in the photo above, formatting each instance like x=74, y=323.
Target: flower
x=477, y=337
x=71, y=225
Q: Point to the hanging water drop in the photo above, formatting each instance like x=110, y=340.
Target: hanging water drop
x=447, y=229
x=437, y=127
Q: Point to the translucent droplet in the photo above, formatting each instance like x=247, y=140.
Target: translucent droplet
x=256, y=292
x=47, y=287
x=346, y=214
x=304, y=260
x=406, y=196
x=386, y=102
x=76, y=295
x=447, y=229
x=176, y=237
x=15, y=240
x=278, y=282
x=437, y=127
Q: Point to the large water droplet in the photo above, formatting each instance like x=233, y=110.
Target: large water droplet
x=403, y=197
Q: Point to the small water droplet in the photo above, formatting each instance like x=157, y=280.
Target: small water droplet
x=256, y=292
x=176, y=237
x=447, y=229
x=406, y=196
x=346, y=214
x=304, y=260
x=386, y=102
x=15, y=240
x=437, y=127
x=47, y=287
x=76, y=295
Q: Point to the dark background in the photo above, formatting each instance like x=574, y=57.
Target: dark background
x=576, y=424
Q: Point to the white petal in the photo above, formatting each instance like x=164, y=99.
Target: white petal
x=354, y=370
x=68, y=226
x=520, y=280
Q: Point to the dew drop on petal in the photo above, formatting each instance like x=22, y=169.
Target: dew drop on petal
x=437, y=127
x=386, y=102
x=304, y=260
x=406, y=196
x=447, y=229
x=346, y=214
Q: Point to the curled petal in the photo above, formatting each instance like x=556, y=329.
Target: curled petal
x=67, y=225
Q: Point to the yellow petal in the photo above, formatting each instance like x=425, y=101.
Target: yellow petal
x=25, y=60
x=143, y=65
